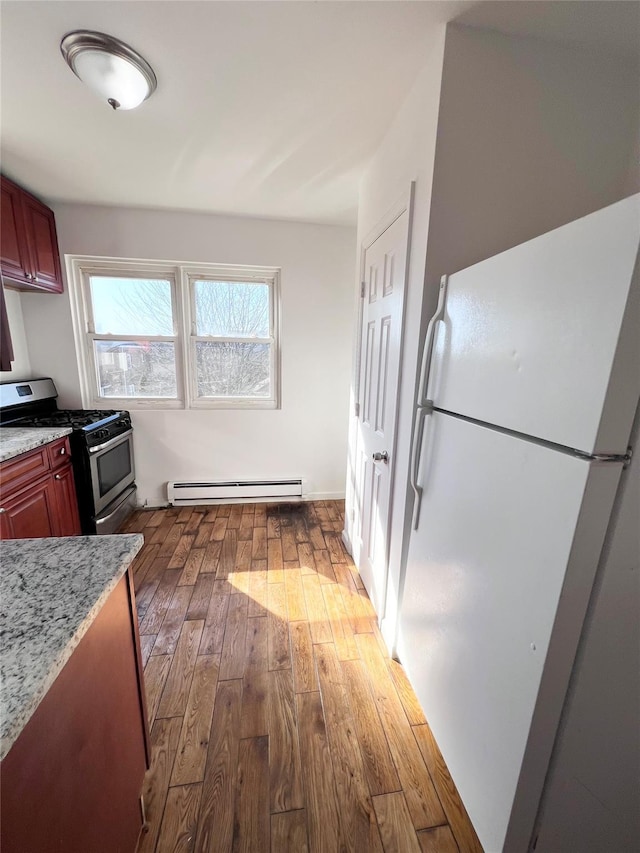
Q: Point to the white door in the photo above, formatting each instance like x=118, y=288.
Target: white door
x=498, y=578
x=383, y=298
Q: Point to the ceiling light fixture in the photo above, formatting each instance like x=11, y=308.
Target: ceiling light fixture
x=112, y=69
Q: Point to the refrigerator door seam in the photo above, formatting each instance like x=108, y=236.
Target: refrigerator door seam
x=625, y=458
x=600, y=458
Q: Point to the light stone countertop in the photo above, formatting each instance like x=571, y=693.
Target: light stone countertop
x=17, y=440
x=51, y=590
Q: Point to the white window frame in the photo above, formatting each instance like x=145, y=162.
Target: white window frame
x=181, y=276
x=232, y=274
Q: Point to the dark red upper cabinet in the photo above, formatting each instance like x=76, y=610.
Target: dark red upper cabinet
x=29, y=257
x=14, y=250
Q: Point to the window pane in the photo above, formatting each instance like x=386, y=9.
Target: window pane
x=233, y=369
x=131, y=306
x=232, y=309
x=136, y=368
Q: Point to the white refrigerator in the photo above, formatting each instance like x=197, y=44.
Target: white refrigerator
x=530, y=381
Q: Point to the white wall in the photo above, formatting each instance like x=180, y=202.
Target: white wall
x=531, y=135
x=405, y=154
x=307, y=437
x=21, y=364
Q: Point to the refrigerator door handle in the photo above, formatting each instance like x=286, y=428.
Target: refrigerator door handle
x=429, y=340
x=416, y=455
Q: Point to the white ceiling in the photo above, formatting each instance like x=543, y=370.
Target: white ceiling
x=262, y=108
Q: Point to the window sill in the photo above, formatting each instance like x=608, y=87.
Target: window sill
x=133, y=404
x=235, y=404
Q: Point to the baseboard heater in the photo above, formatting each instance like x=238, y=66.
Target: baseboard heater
x=186, y=492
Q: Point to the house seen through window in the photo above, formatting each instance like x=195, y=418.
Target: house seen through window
x=191, y=336
x=135, y=337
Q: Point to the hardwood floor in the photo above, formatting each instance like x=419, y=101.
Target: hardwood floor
x=278, y=722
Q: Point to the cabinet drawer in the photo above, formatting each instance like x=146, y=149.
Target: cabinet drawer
x=59, y=452
x=23, y=469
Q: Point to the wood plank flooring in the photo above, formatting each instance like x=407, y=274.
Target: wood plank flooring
x=278, y=722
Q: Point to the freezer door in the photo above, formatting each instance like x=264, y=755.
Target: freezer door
x=544, y=339
x=496, y=587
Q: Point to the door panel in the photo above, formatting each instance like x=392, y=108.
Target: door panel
x=384, y=279
x=30, y=513
x=383, y=376
x=499, y=558
x=368, y=372
x=531, y=338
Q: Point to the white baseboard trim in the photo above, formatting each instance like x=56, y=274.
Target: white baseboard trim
x=311, y=496
x=323, y=496
x=388, y=629
x=347, y=542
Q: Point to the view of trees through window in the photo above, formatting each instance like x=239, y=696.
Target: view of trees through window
x=134, y=367
x=232, y=368
x=231, y=344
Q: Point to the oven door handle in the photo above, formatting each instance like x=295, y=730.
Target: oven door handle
x=112, y=441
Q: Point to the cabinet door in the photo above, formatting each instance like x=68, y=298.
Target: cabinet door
x=14, y=257
x=67, y=521
x=43, y=244
x=79, y=763
x=29, y=513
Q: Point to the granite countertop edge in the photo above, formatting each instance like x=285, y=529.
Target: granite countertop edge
x=22, y=715
x=14, y=441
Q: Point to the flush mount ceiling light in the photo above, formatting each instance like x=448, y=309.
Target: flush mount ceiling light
x=112, y=69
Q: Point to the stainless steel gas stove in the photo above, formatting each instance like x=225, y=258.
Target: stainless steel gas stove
x=101, y=447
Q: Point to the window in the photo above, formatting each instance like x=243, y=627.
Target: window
x=157, y=335
x=232, y=344
x=133, y=337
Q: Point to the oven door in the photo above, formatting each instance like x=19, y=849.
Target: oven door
x=112, y=469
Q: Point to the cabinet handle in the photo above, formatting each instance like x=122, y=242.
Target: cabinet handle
x=63, y=450
x=57, y=477
x=2, y=509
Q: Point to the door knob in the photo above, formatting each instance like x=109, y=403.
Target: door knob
x=381, y=457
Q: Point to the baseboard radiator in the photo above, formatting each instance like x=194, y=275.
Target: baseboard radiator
x=188, y=492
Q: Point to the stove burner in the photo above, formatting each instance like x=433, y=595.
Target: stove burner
x=74, y=418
